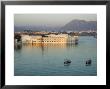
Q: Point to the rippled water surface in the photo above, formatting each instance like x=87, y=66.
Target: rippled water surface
x=48, y=59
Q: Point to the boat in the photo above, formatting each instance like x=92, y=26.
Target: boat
x=88, y=62
x=67, y=61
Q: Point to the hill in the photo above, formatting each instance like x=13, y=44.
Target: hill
x=80, y=25
x=74, y=25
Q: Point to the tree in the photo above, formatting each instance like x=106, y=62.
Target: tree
x=18, y=37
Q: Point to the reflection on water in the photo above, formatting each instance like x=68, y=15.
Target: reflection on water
x=67, y=64
x=48, y=59
x=57, y=45
x=45, y=46
x=17, y=46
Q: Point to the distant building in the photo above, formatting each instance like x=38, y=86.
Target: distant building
x=31, y=39
x=51, y=38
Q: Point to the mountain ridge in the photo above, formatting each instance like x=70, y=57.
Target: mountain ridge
x=74, y=25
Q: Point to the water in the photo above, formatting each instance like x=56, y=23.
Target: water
x=48, y=60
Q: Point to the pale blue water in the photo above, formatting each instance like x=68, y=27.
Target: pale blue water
x=49, y=60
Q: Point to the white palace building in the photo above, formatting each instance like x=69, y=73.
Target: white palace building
x=51, y=38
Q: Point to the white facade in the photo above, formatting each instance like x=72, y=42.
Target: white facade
x=52, y=38
x=31, y=39
x=25, y=38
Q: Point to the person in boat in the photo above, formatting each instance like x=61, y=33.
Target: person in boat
x=67, y=61
x=88, y=62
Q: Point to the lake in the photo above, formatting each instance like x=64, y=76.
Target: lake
x=48, y=59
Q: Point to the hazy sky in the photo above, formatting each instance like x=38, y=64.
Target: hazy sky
x=51, y=19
